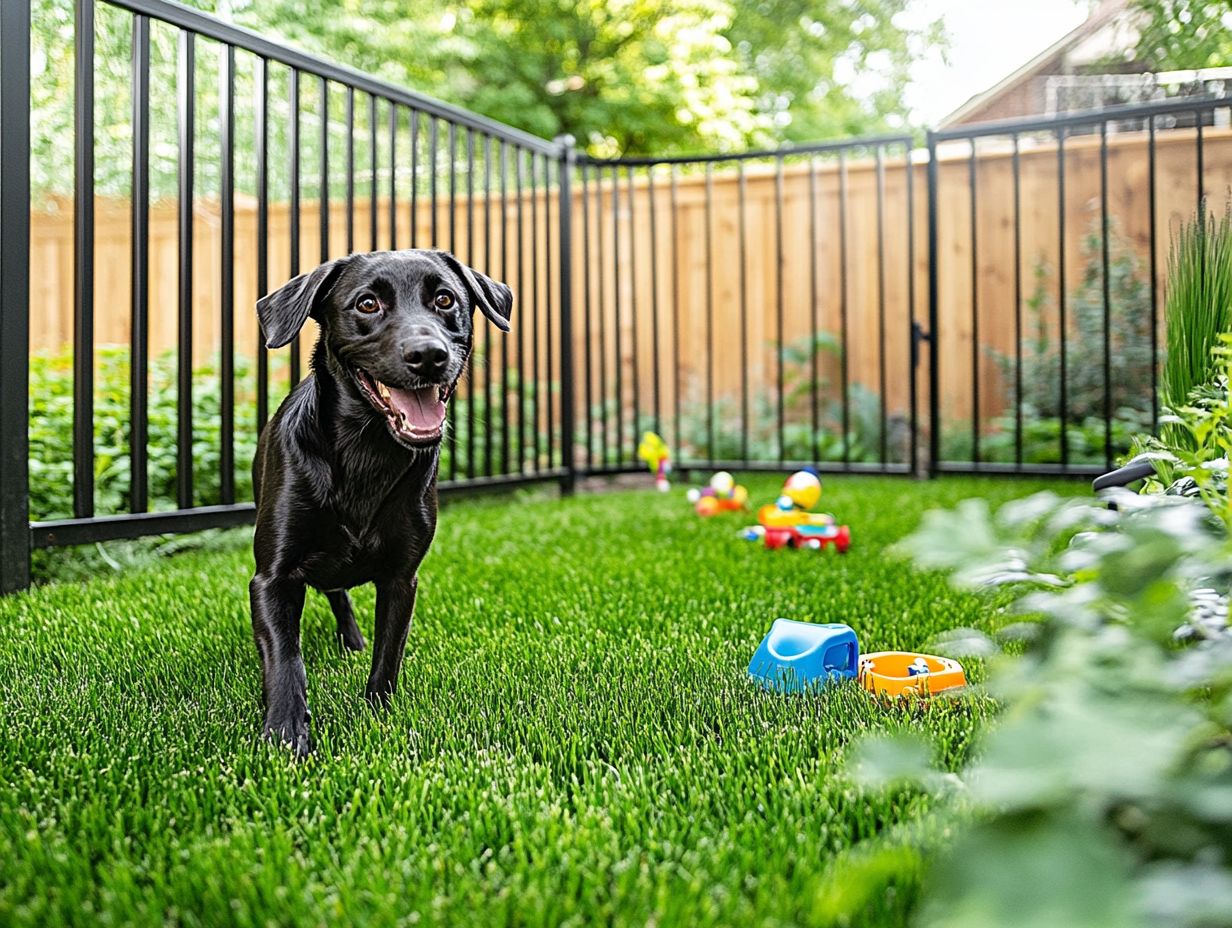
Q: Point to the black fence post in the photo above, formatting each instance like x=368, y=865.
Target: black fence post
x=14, y=295
x=934, y=377
x=568, y=158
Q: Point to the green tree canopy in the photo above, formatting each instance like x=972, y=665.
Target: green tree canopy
x=630, y=76
x=1184, y=34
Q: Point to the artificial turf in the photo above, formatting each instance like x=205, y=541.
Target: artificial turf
x=574, y=740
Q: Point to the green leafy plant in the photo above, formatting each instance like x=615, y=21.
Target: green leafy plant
x=1192, y=453
x=1101, y=796
x=51, y=431
x=1199, y=309
x=1131, y=364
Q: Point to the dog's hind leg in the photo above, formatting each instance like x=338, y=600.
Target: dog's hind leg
x=349, y=634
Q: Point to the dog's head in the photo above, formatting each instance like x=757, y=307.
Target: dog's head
x=398, y=325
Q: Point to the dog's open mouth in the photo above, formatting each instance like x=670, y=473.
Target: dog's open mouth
x=415, y=416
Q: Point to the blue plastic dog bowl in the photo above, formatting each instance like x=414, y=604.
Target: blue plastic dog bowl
x=795, y=656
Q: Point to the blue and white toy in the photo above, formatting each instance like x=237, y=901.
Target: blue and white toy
x=918, y=666
x=795, y=656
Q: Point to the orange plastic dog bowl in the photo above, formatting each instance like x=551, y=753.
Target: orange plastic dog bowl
x=891, y=673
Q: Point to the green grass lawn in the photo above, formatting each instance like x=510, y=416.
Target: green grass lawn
x=574, y=741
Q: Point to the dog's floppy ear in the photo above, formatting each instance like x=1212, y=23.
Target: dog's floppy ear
x=494, y=299
x=283, y=313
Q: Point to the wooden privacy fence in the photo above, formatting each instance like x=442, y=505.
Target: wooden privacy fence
x=698, y=287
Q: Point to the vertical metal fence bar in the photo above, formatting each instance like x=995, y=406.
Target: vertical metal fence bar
x=373, y=161
x=675, y=309
x=743, y=244
x=972, y=181
x=1201, y=164
x=470, y=259
x=589, y=327
x=913, y=453
x=226, y=177
x=350, y=169
x=293, y=209
x=814, y=321
x=434, y=138
x=490, y=267
x=506, y=276
x=323, y=194
x=414, y=117
x=261, y=121
x=525, y=328
x=780, y=333
x=656, y=361
x=1061, y=298
x=185, y=86
x=83, y=260
x=842, y=303
x=537, y=395
x=452, y=414
x=602, y=308
x=635, y=343
x=15, y=295
x=1154, y=221
x=934, y=292
x=710, y=455
x=883, y=430
x=564, y=188
x=1106, y=290
x=549, y=388
x=393, y=175
x=1017, y=172
x=619, y=368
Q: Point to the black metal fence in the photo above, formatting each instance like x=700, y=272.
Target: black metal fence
x=1060, y=227
x=760, y=310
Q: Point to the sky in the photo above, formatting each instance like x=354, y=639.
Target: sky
x=989, y=39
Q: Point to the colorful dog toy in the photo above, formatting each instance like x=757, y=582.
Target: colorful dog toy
x=905, y=673
x=723, y=494
x=654, y=451
x=802, y=655
x=789, y=523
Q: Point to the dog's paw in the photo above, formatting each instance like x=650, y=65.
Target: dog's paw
x=293, y=733
x=378, y=694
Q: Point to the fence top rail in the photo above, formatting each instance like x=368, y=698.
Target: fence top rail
x=784, y=151
x=238, y=37
x=1081, y=118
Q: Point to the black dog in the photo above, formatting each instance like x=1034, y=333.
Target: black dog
x=345, y=472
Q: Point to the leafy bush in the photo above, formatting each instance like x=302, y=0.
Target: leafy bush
x=1129, y=336
x=51, y=432
x=1102, y=795
x=800, y=441
x=1199, y=309
x=1193, y=450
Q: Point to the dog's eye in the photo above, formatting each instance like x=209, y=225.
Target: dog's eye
x=367, y=304
x=444, y=299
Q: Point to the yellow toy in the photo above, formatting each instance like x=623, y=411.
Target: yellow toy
x=654, y=451
x=905, y=673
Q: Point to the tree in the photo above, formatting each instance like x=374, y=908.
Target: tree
x=1184, y=34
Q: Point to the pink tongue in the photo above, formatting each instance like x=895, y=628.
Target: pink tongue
x=422, y=408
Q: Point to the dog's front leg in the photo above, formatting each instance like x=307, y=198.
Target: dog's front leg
x=395, y=603
x=277, y=604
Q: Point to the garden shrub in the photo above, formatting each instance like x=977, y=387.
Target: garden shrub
x=51, y=431
x=1101, y=795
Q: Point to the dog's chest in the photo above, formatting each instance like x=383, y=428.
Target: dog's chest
x=354, y=550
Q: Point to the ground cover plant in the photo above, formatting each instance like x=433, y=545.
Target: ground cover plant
x=574, y=742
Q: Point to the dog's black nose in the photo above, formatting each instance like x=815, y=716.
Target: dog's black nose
x=426, y=357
